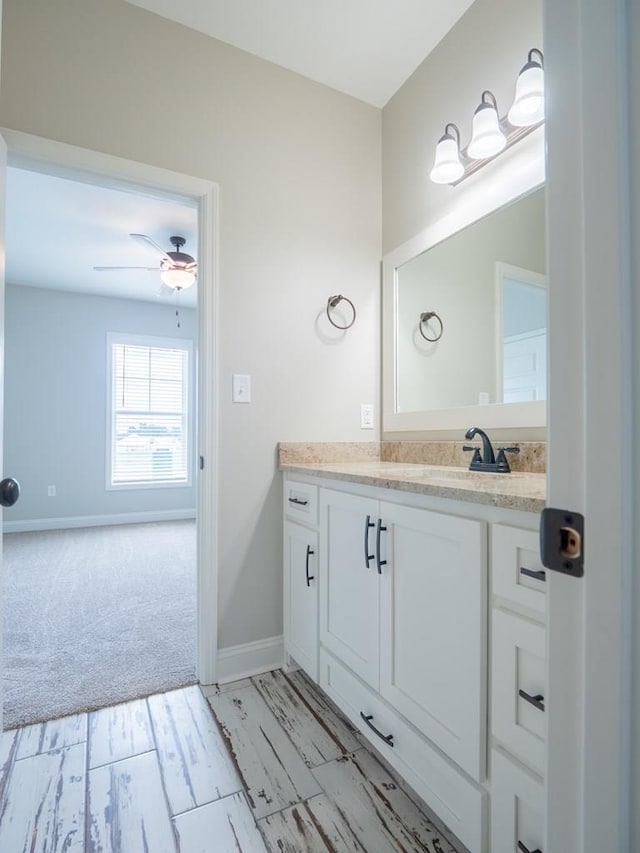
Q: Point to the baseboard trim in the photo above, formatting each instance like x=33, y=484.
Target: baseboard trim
x=248, y=659
x=28, y=526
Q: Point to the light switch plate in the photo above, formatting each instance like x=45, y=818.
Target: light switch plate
x=241, y=388
x=366, y=416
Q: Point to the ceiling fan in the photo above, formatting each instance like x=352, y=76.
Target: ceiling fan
x=177, y=269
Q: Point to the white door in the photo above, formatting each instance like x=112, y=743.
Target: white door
x=525, y=367
x=433, y=606
x=591, y=444
x=349, y=589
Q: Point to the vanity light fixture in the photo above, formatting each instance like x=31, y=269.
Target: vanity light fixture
x=488, y=138
x=528, y=104
x=492, y=134
x=447, y=166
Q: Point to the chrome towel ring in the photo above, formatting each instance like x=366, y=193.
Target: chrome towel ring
x=424, y=318
x=333, y=302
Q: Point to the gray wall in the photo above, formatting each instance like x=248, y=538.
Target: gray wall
x=485, y=50
x=55, y=400
x=299, y=169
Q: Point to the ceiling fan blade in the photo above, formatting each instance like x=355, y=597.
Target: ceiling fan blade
x=191, y=267
x=142, y=238
x=150, y=269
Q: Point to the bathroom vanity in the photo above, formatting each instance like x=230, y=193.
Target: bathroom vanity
x=414, y=596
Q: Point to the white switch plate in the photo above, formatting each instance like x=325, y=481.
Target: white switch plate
x=366, y=416
x=241, y=388
x=51, y=491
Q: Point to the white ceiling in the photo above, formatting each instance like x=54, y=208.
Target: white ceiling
x=366, y=48
x=58, y=229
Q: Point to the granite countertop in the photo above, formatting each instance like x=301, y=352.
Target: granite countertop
x=522, y=491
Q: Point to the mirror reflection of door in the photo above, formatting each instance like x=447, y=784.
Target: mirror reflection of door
x=522, y=335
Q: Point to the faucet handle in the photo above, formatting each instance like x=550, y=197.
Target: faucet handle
x=501, y=460
x=476, y=453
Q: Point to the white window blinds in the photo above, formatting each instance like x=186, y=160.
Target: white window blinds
x=149, y=414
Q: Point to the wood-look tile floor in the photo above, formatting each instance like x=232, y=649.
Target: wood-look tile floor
x=263, y=764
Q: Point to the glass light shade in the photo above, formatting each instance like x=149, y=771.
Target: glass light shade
x=177, y=278
x=447, y=166
x=528, y=104
x=487, y=139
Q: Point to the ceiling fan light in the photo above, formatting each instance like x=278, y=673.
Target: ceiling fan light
x=528, y=103
x=447, y=167
x=487, y=139
x=178, y=279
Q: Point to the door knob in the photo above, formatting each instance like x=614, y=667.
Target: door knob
x=9, y=491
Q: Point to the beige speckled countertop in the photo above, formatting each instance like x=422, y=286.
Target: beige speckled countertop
x=522, y=491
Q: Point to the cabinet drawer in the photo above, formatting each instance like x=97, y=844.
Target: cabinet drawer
x=517, y=807
x=518, y=575
x=519, y=667
x=456, y=800
x=301, y=502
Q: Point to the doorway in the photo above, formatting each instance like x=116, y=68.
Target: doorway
x=163, y=458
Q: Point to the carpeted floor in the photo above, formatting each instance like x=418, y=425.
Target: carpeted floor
x=96, y=616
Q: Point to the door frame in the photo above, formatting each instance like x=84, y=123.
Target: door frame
x=56, y=158
x=591, y=440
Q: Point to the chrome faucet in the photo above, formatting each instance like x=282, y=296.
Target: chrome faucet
x=488, y=461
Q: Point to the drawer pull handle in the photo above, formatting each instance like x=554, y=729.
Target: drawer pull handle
x=367, y=718
x=367, y=556
x=309, y=577
x=298, y=502
x=537, y=701
x=379, y=532
x=536, y=575
x=524, y=849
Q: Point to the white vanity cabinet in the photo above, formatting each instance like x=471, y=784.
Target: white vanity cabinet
x=301, y=575
x=404, y=624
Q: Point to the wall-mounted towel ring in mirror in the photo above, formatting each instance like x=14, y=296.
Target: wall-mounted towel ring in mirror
x=333, y=302
x=424, y=318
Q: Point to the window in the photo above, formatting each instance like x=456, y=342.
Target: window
x=148, y=435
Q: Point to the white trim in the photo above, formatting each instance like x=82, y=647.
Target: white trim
x=57, y=158
x=69, y=522
x=590, y=406
x=248, y=659
x=509, y=179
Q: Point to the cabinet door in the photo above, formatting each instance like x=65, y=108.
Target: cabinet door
x=517, y=807
x=301, y=596
x=433, y=629
x=349, y=591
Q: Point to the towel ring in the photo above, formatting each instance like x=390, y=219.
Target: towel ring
x=424, y=318
x=333, y=302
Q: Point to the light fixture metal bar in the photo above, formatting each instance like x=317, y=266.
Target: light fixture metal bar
x=512, y=134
